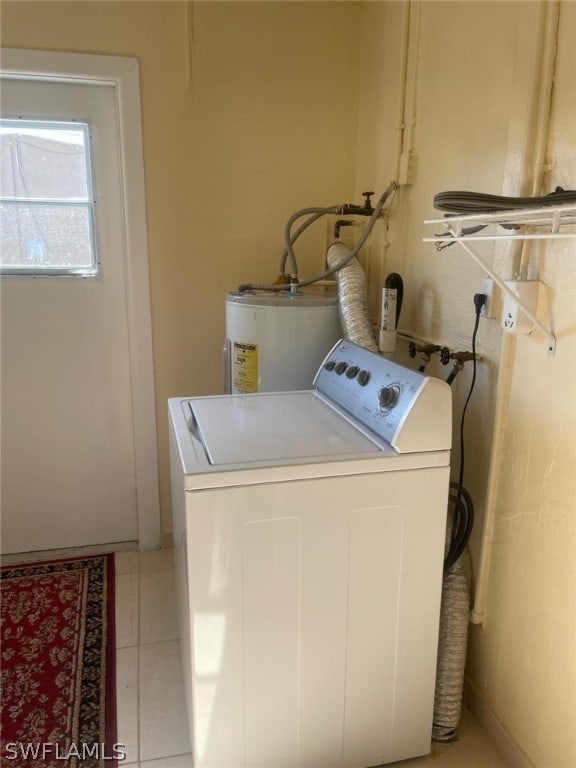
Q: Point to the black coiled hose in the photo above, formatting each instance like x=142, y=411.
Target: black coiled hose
x=462, y=523
x=477, y=202
x=458, y=203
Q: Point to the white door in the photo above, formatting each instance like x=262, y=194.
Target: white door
x=72, y=434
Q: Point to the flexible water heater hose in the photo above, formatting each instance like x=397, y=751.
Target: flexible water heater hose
x=368, y=227
x=313, y=215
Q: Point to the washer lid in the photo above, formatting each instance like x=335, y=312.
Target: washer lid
x=276, y=427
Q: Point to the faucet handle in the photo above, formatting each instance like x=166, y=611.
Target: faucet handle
x=367, y=202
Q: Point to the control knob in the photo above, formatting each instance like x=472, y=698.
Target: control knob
x=387, y=397
x=363, y=378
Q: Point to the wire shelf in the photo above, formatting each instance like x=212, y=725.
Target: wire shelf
x=521, y=224
x=546, y=222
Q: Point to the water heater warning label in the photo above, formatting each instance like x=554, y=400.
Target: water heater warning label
x=244, y=367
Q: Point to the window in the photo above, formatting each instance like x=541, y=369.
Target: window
x=46, y=199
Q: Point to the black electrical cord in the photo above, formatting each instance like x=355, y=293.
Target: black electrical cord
x=459, y=497
x=478, y=304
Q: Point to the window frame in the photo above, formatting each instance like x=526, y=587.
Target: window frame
x=88, y=202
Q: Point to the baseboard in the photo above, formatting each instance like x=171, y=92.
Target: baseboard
x=65, y=552
x=511, y=752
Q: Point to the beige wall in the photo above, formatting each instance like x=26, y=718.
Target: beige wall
x=477, y=77
x=256, y=110
x=249, y=113
x=524, y=662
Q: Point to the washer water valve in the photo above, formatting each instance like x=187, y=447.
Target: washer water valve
x=427, y=350
x=459, y=359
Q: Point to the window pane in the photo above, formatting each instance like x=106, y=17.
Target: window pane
x=41, y=237
x=47, y=162
x=46, y=200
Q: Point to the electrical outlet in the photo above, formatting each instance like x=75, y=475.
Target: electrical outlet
x=487, y=287
x=513, y=318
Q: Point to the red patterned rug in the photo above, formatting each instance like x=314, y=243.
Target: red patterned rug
x=57, y=664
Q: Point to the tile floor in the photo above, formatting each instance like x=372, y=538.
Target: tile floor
x=151, y=708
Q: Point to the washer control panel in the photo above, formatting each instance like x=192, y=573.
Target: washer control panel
x=383, y=395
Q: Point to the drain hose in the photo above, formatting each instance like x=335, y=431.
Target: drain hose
x=352, y=302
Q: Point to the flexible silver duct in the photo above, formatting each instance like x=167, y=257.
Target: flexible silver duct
x=352, y=301
x=452, y=645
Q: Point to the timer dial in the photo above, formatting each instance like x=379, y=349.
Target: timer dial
x=388, y=397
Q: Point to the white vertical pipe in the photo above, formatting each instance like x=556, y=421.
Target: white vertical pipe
x=189, y=40
x=505, y=371
x=403, y=74
x=408, y=78
x=552, y=12
x=478, y=612
x=412, y=76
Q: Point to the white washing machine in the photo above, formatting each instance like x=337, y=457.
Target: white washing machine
x=309, y=534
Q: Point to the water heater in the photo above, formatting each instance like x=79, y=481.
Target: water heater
x=276, y=342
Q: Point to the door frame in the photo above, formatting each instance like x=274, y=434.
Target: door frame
x=122, y=74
